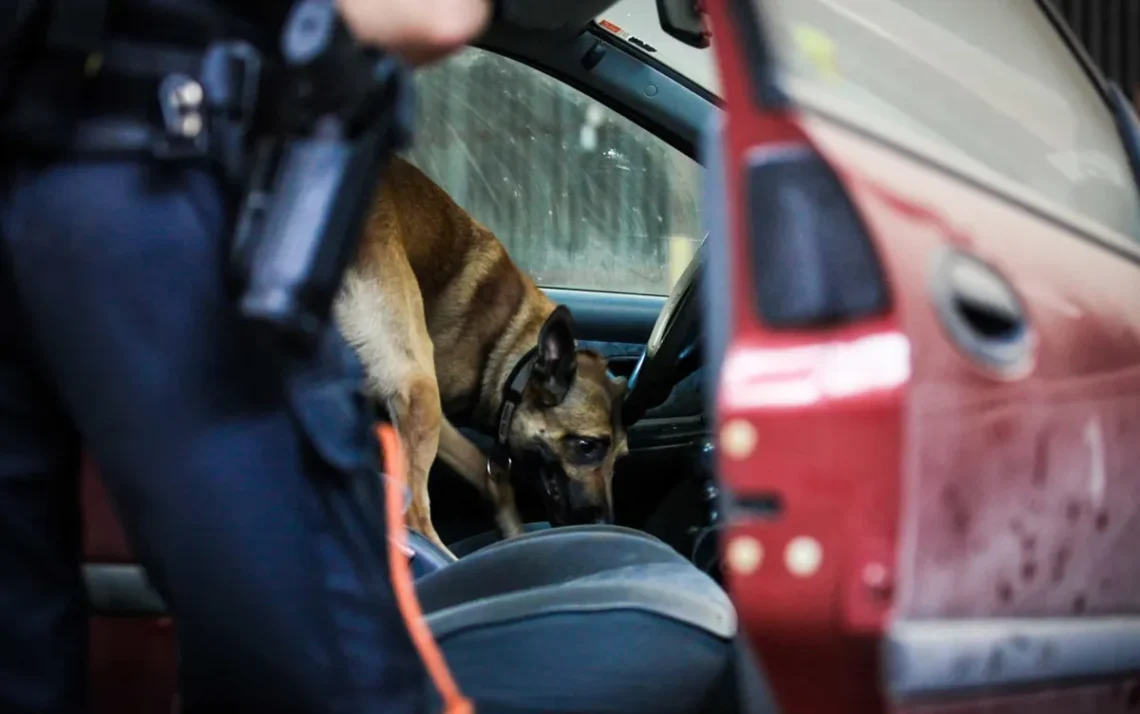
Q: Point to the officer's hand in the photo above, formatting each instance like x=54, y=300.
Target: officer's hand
x=420, y=31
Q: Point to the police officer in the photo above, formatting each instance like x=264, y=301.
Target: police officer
x=231, y=473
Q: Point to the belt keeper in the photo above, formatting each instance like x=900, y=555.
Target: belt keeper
x=231, y=76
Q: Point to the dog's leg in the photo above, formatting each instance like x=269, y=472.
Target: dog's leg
x=415, y=409
x=468, y=461
x=381, y=314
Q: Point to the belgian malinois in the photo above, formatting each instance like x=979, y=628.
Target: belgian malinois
x=445, y=323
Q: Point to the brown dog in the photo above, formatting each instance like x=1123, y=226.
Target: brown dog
x=442, y=318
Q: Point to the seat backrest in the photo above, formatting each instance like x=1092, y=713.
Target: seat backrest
x=133, y=660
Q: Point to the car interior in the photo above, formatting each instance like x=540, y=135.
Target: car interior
x=628, y=617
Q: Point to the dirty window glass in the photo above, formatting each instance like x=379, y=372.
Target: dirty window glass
x=989, y=83
x=580, y=196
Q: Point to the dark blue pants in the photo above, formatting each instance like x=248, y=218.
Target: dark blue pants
x=246, y=485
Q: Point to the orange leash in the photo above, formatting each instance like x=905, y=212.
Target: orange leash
x=403, y=584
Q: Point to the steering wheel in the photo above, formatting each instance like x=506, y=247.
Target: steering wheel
x=673, y=350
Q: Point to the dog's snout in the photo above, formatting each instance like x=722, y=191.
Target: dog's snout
x=585, y=507
x=591, y=515
x=603, y=514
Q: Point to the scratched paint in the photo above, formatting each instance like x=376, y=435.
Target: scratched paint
x=1094, y=440
x=1020, y=496
x=1024, y=511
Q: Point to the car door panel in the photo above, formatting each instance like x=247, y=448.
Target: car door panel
x=1017, y=502
x=1020, y=499
x=1018, y=495
x=948, y=523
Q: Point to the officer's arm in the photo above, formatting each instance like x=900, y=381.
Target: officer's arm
x=419, y=30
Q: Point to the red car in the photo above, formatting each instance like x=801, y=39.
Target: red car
x=929, y=402
x=917, y=354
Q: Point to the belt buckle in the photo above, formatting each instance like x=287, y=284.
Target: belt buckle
x=182, y=101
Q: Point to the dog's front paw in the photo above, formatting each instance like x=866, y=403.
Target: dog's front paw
x=509, y=522
x=502, y=494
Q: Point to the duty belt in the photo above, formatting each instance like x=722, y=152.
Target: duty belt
x=134, y=97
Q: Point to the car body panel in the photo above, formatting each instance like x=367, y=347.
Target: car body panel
x=810, y=473
x=1020, y=498
x=911, y=529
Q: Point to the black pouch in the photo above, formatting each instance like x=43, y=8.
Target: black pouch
x=326, y=394
x=328, y=401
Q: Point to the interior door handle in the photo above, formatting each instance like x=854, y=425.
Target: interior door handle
x=983, y=315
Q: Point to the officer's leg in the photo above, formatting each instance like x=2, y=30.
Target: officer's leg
x=235, y=483
x=43, y=618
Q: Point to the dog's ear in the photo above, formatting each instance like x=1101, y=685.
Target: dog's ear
x=617, y=386
x=557, y=361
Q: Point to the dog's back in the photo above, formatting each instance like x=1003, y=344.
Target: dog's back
x=475, y=300
x=444, y=245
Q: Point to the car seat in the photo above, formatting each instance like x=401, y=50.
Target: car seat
x=582, y=619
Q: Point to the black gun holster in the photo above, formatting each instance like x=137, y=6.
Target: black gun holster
x=300, y=132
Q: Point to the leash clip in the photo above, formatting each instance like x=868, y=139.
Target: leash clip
x=506, y=472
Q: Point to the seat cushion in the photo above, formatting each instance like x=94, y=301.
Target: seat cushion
x=581, y=620
x=428, y=557
x=469, y=545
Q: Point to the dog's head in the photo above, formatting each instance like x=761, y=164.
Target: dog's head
x=568, y=426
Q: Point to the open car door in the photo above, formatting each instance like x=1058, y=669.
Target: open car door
x=928, y=410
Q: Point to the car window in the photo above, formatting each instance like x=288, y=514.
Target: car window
x=580, y=196
x=989, y=82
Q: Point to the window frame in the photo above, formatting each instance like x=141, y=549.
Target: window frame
x=1077, y=50
x=679, y=102
x=1094, y=74
x=563, y=64
x=753, y=31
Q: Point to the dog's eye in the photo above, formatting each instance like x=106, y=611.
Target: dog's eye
x=587, y=449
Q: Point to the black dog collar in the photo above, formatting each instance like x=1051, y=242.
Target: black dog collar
x=512, y=397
